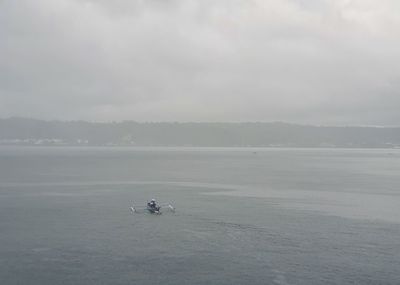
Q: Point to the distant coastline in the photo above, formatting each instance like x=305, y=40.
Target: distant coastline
x=31, y=132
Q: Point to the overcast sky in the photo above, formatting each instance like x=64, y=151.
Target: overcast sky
x=304, y=61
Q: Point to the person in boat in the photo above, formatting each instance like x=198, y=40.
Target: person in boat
x=153, y=204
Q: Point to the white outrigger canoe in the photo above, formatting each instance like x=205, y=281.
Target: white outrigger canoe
x=153, y=210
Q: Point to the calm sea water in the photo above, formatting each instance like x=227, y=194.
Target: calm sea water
x=244, y=216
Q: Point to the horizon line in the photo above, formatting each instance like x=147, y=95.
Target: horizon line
x=199, y=122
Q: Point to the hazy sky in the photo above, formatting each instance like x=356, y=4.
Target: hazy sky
x=305, y=61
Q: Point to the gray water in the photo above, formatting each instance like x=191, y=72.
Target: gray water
x=244, y=216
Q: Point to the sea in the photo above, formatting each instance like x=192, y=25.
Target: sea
x=243, y=215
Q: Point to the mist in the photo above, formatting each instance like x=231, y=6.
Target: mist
x=316, y=62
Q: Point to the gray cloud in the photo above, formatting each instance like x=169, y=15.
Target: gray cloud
x=321, y=62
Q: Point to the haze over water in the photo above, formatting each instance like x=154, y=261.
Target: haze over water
x=244, y=216
x=267, y=73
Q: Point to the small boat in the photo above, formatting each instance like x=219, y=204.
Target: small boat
x=152, y=208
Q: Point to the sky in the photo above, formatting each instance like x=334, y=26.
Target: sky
x=323, y=62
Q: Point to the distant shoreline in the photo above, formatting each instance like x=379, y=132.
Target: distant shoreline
x=19, y=131
x=253, y=149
